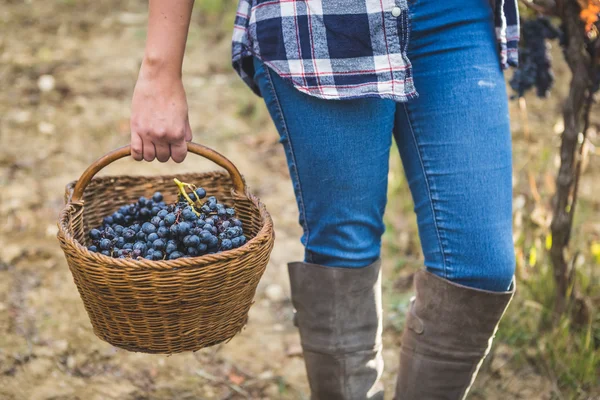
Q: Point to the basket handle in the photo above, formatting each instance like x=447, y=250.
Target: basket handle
x=209, y=154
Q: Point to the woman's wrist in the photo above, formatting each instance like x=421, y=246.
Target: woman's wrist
x=154, y=66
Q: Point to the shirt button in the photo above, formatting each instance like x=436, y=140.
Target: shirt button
x=396, y=11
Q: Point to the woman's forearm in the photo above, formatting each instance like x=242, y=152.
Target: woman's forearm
x=159, y=113
x=168, y=24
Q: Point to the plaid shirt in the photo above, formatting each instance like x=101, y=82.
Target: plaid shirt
x=342, y=49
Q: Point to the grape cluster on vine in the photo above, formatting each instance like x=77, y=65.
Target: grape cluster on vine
x=535, y=62
x=153, y=230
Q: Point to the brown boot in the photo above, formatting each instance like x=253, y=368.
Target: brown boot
x=338, y=312
x=449, y=330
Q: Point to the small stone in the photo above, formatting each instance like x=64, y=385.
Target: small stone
x=39, y=366
x=46, y=128
x=46, y=83
x=21, y=116
x=266, y=375
x=274, y=292
x=60, y=346
x=519, y=202
x=51, y=230
x=71, y=362
x=128, y=18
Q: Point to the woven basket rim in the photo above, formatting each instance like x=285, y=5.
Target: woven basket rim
x=264, y=235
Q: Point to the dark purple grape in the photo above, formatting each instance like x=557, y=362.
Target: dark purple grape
x=136, y=253
x=171, y=248
x=128, y=234
x=141, y=246
x=170, y=219
x=201, y=193
x=205, y=236
x=192, y=251
x=119, y=242
x=157, y=197
x=226, y=244
x=192, y=241
x=202, y=247
x=174, y=255
x=106, y=253
x=184, y=228
x=95, y=234
x=152, y=237
x=158, y=255
x=117, y=217
x=105, y=244
x=145, y=213
x=189, y=215
x=155, y=221
x=140, y=236
x=159, y=244
x=155, y=210
x=128, y=246
x=148, y=228
x=108, y=221
x=213, y=241
x=93, y=248
x=163, y=232
x=162, y=214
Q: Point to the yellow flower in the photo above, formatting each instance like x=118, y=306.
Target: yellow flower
x=595, y=249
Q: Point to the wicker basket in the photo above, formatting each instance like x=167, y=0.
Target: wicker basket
x=164, y=306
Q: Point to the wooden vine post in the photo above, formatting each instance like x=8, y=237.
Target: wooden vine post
x=576, y=116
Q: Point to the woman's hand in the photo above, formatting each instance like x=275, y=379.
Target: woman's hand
x=159, y=113
x=160, y=126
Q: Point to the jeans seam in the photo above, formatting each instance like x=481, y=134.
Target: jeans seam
x=295, y=169
x=431, y=201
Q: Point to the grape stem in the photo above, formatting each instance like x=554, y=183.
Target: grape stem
x=182, y=190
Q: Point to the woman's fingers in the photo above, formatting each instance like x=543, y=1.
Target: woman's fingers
x=188, y=130
x=149, y=151
x=178, y=151
x=137, y=146
x=163, y=151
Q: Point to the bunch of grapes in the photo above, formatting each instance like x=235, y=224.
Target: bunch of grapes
x=535, y=62
x=153, y=230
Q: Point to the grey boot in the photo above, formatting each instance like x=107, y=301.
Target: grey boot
x=338, y=312
x=449, y=330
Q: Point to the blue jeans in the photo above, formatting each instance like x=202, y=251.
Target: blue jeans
x=454, y=141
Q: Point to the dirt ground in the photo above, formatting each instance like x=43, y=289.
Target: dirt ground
x=67, y=70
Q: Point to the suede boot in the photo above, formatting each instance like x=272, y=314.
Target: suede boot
x=338, y=313
x=449, y=331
